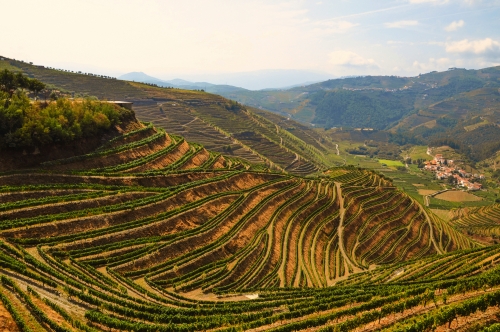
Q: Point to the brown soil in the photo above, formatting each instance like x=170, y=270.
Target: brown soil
x=219, y=163
x=113, y=253
x=478, y=319
x=461, y=325
x=180, y=222
x=117, y=158
x=309, y=234
x=319, y=251
x=358, y=222
x=7, y=323
x=407, y=239
x=458, y=196
x=187, y=245
x=237, y=182
x=275, y=243
x=197, y=160
x=164, y=160
x=30, y=321
x=242, y=238
x=54, y=316
x=425, y=192
x=422, y=243
x=245, y=265
x=374, y=240
x=149, y=181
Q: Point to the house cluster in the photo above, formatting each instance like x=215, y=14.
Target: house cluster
x=445, y=169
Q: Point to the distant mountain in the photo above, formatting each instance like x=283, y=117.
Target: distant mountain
x=277, y=79
x=265, y=79
x=180, y=83
x=140, y=77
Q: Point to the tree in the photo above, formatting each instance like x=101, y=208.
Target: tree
x=36, y=86
x=10, y=82
x=7, y=82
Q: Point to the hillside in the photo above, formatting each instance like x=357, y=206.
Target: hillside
x=201, y=118
x=458, y=105
x=150, y=233
x=380, y=95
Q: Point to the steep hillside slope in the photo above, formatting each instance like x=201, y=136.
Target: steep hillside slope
x=220, y=124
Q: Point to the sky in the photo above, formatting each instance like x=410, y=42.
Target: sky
x=214, y=40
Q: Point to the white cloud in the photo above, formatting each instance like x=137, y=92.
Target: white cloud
x=455, y=25
x=432, y=64
x=400, y=24
x=334, y=26
x=351, y=59
x=487, y=47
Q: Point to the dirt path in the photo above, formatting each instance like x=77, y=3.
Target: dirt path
x=195, y=118
x=429, y=221
x=340, y=231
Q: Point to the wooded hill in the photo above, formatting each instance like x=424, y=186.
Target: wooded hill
x=147, y=232
x=458, y=105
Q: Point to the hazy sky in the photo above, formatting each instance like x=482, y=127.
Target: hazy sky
x=191, y=38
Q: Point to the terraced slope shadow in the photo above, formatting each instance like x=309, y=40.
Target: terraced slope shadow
x=152, y=233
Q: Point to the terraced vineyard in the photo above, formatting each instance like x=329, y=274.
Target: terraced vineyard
x=152, y=233
x=483, y=221
x=241, y=133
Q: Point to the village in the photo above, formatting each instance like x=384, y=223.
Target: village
x=446, y=169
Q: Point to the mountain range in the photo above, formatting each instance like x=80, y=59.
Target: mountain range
x=234, y=82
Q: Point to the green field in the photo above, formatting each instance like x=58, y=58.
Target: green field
x=417, y=152
x=390, y=163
